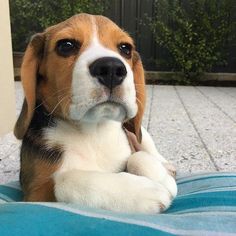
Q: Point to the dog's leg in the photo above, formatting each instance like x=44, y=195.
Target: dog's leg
x=146, y=161
x=112, y=191
x=147, y=145
x=142, y=163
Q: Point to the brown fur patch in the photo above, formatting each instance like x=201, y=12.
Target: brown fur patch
x=39, y=160
x=38, y=163
x=41, y=184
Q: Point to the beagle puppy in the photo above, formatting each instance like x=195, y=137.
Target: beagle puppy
x=80, y=124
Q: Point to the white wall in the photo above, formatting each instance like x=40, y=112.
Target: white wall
x=7, y=95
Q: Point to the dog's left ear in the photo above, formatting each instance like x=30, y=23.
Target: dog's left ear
x=134, y=125
x=29, y=69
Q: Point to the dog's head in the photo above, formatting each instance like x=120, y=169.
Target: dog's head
x=84, y=69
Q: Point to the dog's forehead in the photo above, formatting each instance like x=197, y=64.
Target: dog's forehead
x=85, y=27
x=107, y=30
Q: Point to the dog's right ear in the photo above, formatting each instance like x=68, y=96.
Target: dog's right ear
x=29, y=70
x=134, y=125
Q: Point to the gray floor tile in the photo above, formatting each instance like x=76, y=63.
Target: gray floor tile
x=217, y=130
x=231, y=91
x=226, y=103
x=174, y=134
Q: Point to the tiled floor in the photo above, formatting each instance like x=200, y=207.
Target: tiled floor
x=194, y=127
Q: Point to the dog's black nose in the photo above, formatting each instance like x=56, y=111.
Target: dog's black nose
x=109, y=71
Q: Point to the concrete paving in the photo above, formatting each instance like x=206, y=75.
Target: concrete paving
x=193, y=127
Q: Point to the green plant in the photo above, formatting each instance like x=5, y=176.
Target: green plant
x=196, y=33
x=31, y=16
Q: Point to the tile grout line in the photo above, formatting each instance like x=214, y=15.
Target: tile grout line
x=150, y=109
x=195, y=128
x=210, y=100
x=230, y=95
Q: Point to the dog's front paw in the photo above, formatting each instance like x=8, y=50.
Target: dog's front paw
x=146, y=196
x=143, y=164
x=122, y=192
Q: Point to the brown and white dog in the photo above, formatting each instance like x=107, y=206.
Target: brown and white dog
x=81, y=121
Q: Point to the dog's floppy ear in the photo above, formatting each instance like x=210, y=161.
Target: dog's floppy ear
x=134, y=125
x=29, y=70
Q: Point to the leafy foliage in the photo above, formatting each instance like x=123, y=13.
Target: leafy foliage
x=31, y=16
x=196, y=33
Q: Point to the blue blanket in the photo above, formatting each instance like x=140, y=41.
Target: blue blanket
x=205, y=205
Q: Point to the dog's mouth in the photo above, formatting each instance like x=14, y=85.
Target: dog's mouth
x=109, y=109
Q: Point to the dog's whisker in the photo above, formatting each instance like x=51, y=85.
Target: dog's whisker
x=53, y=95
x=57, y=105
x=140, y=93
x=65, y=108
x=141, y=104
x=60, y=90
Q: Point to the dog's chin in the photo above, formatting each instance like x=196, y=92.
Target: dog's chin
x=105, y=111
x=102, y=111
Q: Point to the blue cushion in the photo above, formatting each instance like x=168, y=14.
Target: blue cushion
x=206, y=205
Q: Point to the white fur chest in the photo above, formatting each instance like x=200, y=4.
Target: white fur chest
x=103, y=147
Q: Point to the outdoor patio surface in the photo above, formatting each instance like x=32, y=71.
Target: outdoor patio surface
x=193, y=127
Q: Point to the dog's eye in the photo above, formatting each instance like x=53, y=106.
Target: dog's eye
x=67, y=47
x=125, y=49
